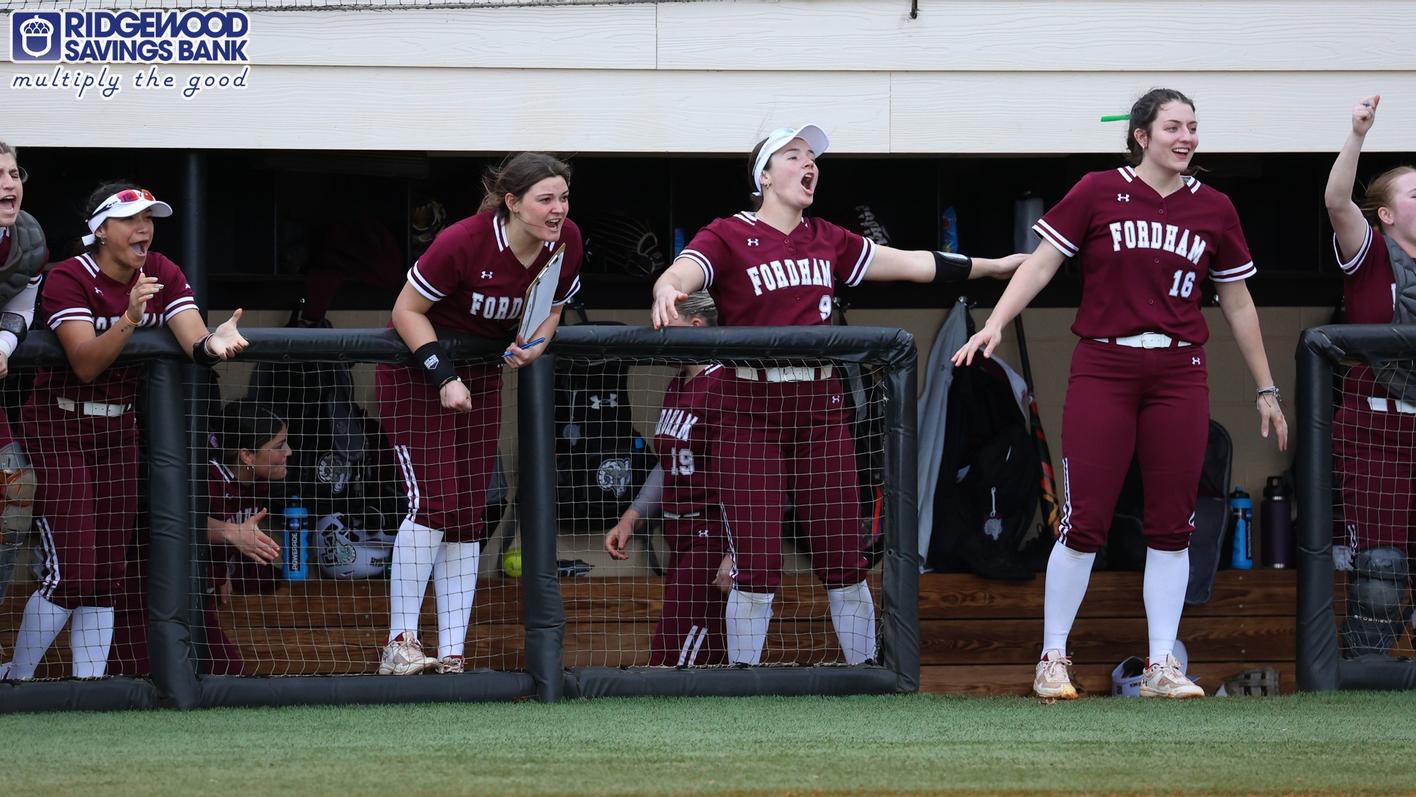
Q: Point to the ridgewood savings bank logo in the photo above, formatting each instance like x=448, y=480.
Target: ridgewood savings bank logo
x=154, y=38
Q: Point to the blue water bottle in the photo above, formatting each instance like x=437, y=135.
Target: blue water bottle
x=296, y=546
x=1241, y=510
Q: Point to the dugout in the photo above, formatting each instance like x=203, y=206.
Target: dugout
x=305, y=246
x=657, y=101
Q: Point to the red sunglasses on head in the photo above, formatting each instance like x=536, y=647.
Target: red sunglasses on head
x=123, y=198
x=133, y=195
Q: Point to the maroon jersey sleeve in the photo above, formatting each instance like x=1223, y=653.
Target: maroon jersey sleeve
x=1368, y=282
x=435, y=273
x=176, y=294
x=1065, y=226
x=64, y=297
x=854, y=252
x=1232, y=261
x=709, y=251
x=570, y=267
x=1351, y=267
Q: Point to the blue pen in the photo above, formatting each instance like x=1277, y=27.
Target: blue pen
x=528, y=345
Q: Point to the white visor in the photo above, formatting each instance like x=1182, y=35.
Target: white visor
x=814, y=137
x=115, y=208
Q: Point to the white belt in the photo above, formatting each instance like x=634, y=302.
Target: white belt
x=785, y=374
x=92, y=407
x=1146, y=340
x=1391, y=405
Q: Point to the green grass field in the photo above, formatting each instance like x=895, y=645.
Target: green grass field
x=920, y=744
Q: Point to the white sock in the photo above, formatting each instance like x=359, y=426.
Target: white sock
x=1167, y=578
x=414, y=551
x=749, y=614
x=42, y=622
x=1068, y=572
x=853, y=615
x=90, y=635
x=455, y=584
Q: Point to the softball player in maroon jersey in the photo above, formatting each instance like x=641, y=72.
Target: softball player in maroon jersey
x=1149, y=236
x=1374, y=433
x=787, y=427
x=79, y=423
x=251, y=448
x=443, y=421
x=690, y=629
x=23, y=254
x=254, y=449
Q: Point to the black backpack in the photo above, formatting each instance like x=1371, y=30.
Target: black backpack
x=601, y=459
x=340, y=462
x=990, y=479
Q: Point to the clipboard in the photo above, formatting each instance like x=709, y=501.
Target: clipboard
x=540, y=294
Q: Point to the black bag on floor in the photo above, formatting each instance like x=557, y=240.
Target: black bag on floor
x=990, y=479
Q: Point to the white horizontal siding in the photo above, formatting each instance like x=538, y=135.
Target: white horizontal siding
x=1018, y=76
x=565, y=37
x=299, y=107
x=1060, y=112
x=1041, y=35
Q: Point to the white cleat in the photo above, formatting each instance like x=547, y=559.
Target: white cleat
x=1168, y=680
x=1053, y=680
x=404, y=656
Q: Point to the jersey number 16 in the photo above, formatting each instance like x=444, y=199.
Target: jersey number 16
x=1183, y=284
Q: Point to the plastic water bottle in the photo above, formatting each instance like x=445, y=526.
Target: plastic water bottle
x=296, y=546
x=1241, y=511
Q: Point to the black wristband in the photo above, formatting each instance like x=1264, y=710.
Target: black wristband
x=950, y=268
x=201, y=356
x=435, y=364
x=14, y=323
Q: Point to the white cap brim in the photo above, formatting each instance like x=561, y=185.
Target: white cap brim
x=160, y=209
x=124, y=210
x=816, y=140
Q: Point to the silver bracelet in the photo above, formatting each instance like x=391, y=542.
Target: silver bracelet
x=1273, y=391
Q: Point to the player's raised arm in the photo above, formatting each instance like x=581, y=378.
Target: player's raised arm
x=939, y=268
x=1348, y=223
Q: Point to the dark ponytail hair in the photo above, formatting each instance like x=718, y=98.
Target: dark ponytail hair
x=754, y=199
x=516, y=175
x=245, y=425
x=1143, y=114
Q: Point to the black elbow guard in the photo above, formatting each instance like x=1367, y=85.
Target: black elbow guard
x=15, y=324
x=950, y=268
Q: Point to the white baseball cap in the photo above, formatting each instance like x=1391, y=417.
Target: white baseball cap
x=125, y=204
x=814, y=137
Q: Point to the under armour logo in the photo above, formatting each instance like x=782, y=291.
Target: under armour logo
x=835, y=399
x=1123, y=197
x=703, y=533
x=486, y=275
x=1194, y=360
x=100, y=293
x=752, y=242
